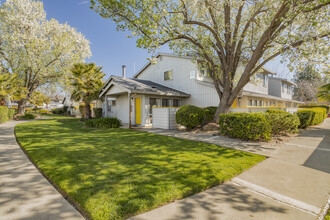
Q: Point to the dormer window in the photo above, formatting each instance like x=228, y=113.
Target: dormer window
x=168, y=75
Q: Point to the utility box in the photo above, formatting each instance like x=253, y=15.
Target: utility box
x=164, y=118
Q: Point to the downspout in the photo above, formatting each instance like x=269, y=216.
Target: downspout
x=130, y=111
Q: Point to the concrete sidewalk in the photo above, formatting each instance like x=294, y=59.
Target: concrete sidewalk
x=252, y=147
x=24, y=192
x=293, y=183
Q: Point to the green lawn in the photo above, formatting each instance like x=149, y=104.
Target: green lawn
x=114, y=174
x=327, y=216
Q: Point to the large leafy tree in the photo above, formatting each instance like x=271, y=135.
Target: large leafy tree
x=308, y=80
x=37, y=50
x=227, y=33
x=86, y=83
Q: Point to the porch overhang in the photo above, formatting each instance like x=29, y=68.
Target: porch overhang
x=118, y=85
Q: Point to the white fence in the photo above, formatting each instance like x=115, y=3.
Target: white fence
x=164, y=118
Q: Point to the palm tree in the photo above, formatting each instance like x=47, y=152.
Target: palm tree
x=324, y=92
x=86, y=81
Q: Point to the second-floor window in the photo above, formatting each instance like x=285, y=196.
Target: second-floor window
x=203, y=71
x=290, y=90
x=168, y=75
x=264, y=79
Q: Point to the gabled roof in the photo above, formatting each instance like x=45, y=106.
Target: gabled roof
x=183, y=57
x=158, y=55
x=140, y=86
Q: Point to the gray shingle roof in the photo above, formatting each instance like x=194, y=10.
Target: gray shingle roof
x=147, y=87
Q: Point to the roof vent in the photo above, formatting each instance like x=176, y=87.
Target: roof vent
x=154, y=87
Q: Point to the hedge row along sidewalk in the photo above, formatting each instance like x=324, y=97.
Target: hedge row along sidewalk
x=261, y=126
x=311, y=116
x=6, y=113
x=258, y=126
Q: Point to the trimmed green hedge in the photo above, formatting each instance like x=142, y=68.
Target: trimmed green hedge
x=320, y=115
x=312, y=116
x=44, y=111
x=305, y=117
x=103, y=123
x=58, y=111
x=190, y=116
x=275, y=111
x=3, y=114
x=98, y=112
x=11, y=113
x=327, y=107
x=209, y=113
x=28, y=116
x=245, y=126
x=282, y=122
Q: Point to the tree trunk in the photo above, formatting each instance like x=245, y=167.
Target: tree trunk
x=21, y=106
x=225, y=104
x=2, y=102
x=88, y=111
x=223, y=108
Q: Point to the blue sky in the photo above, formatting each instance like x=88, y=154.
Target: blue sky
x=111, y=49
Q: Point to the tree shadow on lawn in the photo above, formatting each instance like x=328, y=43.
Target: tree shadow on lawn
x=119, y=173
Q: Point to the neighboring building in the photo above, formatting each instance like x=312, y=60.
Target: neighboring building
x=73, y=106
x=175, y=81
x=282, y=88
x=54, y=104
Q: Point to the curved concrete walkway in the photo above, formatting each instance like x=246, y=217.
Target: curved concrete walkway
x=24, y=192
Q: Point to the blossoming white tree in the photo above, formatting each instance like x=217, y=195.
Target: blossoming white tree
x=227, y=33
x=38, y=50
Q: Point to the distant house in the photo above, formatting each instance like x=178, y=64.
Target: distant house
x=73, y=106
x=177, y=80
x=55, y=104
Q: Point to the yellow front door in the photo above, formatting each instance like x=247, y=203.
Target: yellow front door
x=235, y=104
x=138, y=111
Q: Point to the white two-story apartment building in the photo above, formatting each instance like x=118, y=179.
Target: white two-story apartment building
x=172, y=82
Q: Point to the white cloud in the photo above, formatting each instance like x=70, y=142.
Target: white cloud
x=85, y=2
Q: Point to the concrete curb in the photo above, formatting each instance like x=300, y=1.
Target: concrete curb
x=278, y=197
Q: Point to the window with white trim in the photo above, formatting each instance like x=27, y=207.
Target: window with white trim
x=168, y=75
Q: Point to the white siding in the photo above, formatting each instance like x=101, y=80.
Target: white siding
x=164, y=118
x=256, y=87
x=120, y=110
x=115, y=90
x=275, y=88
x=202, y=93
